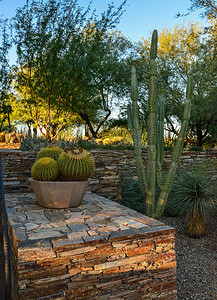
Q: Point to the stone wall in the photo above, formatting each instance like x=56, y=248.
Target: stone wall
x=109, y=165
x=98, y=251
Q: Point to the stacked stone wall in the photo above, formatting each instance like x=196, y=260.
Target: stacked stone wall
x=110, y=165
x=100, y=250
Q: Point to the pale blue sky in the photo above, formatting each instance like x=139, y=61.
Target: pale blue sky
x=141, y=16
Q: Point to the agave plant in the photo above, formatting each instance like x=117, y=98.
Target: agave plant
x=193, y=195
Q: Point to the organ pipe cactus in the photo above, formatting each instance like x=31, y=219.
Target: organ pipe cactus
x=156, y=138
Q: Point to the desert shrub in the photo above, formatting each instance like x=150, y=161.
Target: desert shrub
x=193, y=195
x=195, y=148
x=33, y=144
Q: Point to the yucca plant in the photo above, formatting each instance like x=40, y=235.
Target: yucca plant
x=193, y=195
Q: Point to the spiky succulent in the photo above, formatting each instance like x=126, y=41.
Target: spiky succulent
x=194, y=195
x=76, y=164
x=45, y=169
x=53, y=152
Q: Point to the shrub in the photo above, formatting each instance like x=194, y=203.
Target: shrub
x=194, y=196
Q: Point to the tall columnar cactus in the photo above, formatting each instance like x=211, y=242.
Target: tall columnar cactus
x=156, y=138
x=160, y=140
x=76, y=164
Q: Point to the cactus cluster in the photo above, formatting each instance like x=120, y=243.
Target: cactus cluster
x=155, y=138
x=74, y=164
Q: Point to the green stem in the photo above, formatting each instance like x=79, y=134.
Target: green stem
x=136, y=133
x=176, y=152
x=151, y=167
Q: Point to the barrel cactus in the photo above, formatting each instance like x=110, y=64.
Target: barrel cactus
x=53, y=152
x=45, y=169
x=76, y=164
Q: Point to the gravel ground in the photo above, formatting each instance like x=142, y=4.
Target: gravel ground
x=196, y=261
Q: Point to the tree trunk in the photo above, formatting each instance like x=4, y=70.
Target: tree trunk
x=85, y=117
x=199, y=135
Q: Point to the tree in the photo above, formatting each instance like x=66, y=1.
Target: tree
x=65, y=62
x=209, y=7
x=181, y=50
x=5, y=77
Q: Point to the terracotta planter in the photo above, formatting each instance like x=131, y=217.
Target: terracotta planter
x=59, y=194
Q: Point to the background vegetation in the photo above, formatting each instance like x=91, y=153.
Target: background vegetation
x=72, y=72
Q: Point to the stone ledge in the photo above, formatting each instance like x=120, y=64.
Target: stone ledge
x=100, y=250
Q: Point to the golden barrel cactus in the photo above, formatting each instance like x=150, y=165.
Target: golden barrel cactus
x=50, y=151
x=45, y=169
x=76, y=164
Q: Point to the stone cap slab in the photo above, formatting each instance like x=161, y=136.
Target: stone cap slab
x=96, y=221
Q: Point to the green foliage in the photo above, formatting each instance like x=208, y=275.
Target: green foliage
x=155, y=138
x=45, y=169
x=195, y=148
x=70, y=63
x=209, y=8
x=5, y=77
x=76, y=164
x=183, y=49
x=30, y=144
x=193, y=195
x=131, y=193
x=50, y=151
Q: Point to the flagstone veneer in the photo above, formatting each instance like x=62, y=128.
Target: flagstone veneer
x=100, y=250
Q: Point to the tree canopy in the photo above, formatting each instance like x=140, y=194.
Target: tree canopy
x=68, y=62
x=183, y=50
x=5, y=77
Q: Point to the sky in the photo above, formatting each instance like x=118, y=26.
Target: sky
x=140, y=18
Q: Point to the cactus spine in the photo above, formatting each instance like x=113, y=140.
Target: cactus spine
x=156, y=145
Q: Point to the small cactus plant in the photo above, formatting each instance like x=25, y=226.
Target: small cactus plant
x=53, y=152
x=76, y=164
x=45, y=169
